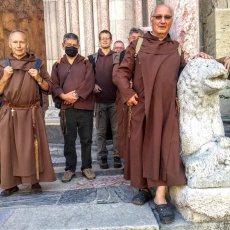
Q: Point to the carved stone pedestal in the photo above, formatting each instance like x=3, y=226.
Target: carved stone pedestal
x=202, y=205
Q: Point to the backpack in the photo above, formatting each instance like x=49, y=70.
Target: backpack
x=36, y=66
x=93, y=59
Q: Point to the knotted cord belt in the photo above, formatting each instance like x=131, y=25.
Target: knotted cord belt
x=33, y=107
x=130, y=115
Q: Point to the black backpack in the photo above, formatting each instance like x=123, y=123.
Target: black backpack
x=93, y=59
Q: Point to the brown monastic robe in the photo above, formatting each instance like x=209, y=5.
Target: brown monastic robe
x=122, y=114
x=17, y=151
x=153, y=158
x=80, y=78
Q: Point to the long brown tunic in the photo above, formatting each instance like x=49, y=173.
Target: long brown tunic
x=153, y=158
x=17, y=151
x=80, y=78
x=122, y=114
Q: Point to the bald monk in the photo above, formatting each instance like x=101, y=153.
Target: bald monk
x=24, y=151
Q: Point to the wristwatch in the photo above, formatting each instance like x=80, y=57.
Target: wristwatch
x=75, y=93
x=40, y=82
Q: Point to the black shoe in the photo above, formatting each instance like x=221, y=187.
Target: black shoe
x=9, y=191
x=117, y=162
x=103, y=163
x=165, y=213
x=142, y=197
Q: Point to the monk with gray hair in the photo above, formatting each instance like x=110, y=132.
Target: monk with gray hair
x=153, y=143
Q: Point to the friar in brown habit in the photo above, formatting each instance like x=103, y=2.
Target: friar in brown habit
x=24, y=151
x=122, y=109
x=154, y=159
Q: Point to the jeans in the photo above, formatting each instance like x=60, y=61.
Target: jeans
x=81, y=121
x=103, y=112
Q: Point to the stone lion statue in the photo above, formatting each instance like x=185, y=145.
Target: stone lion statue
x=205, y=150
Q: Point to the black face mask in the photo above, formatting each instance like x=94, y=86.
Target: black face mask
x=71, y=51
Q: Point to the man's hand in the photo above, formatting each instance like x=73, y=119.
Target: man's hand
x=69, y=98
x=8, y=71
x=203, y=55
x=227, y=63
x=97, y=89
x=35, y=75
x=132, y=100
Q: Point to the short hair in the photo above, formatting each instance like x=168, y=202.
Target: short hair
x=119, y=41
x=135, y=30
x=152, y=13
x=105, y=32
x=70, y=36
x=15, y=31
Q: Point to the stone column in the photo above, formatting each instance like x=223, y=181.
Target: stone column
x=61, y=15
x=74, y=17
x=138, y=17
x=88, y=23
x=185, y=28
x=81, y=26
x=149, y=7
x=51, y=31
x=103, y=13
x=121, y=19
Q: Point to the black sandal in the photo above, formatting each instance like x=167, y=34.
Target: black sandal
x=9, y=191
x=36, y=189
x=165, y=213
x=142, y=197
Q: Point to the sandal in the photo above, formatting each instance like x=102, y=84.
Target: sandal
x=9, y=191
x=36, y=189
x=165, y=213
x=142, y=197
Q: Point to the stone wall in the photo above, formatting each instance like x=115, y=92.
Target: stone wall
x=215, y=26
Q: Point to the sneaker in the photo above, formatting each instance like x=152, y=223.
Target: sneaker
x=88, y=174
x=103, y=163
x=117, y=162
x=68, y=175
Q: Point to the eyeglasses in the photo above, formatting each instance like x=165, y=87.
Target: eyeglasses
x=166, y=17
x=105, y=38
x=69, y=45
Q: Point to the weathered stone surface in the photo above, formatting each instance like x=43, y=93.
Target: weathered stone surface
x=205, y=152
x=204, y=149
x=202, y=205
x=209, y=167
x=198, y=88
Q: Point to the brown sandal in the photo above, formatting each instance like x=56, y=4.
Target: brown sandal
x=9, y=191
x=36, y=189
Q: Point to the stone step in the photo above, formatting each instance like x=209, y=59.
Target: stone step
x=104, y=203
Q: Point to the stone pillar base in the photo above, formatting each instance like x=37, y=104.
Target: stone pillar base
x=202, y=205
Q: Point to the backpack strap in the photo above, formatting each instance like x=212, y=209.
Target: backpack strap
x=113, y=56
x=7, y=62
x=138, y=46
x=122, y=54
x=37, y=63
x=179, y=50
x=36, y=66
x=93, y=59
x=84, y=61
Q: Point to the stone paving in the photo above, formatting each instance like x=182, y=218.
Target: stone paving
x=104, y=203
